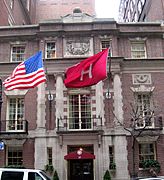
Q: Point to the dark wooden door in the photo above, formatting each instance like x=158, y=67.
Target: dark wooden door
x=81, y=169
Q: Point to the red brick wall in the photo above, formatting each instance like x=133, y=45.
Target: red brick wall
x=28, y=153
x=156, y=10
x=2, y=158
x=54, y=9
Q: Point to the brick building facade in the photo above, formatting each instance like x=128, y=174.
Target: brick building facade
x=116, y=123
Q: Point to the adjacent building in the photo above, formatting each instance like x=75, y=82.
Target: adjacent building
x=17, y=12
x=141, y=10
x=114, y=125
x=23, y=12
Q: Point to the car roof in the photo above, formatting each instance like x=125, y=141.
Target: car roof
x=20, y=170
x=152, y=178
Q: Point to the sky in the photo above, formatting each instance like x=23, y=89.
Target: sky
x=107, y=8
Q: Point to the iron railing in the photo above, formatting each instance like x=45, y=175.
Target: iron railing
x=13, y=126
x=149, y=123
x=79, y=124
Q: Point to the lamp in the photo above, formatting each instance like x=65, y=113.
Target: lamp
x=50, y=97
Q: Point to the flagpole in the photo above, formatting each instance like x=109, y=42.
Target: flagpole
x=108, y=95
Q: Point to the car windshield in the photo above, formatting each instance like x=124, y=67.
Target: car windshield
x=45, y=175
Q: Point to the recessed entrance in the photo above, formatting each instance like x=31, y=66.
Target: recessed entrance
x=80, y=162
x=80, y=169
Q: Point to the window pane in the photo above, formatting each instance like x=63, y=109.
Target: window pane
x=104, y=45
x=146, y=152
x=15, y=156
x=145, y=113
x=51, y=50
x=49, y=154
x=138, y=50
x=16, y=114
x=80, y=111
x=18, y=53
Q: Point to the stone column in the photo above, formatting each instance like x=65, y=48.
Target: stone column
x=40, y=153
x=59, y=98
x=118, y=104
x=41, y=106
x=99, y=102
x=121, y=161
x=120, y=142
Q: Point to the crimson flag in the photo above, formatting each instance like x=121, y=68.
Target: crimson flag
x=88, y=72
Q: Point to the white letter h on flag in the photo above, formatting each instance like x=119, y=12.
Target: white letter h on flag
x=89, y=71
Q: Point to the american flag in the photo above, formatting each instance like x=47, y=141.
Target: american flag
x=27, y=74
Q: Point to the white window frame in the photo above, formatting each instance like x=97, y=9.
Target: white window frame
x=107, y=43
x=51, y=51
x=18, y=123
x=79, y=124
x=22, y=55
x=144, y=110
x=135, y=53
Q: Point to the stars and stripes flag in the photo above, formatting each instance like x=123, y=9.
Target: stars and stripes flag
x=88, y=72
x=27, y=74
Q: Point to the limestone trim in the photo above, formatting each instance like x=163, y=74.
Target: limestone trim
x=143, y=89
x=16, y=92
x=147, y=139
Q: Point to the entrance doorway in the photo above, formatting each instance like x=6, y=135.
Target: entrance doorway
x=81, y=169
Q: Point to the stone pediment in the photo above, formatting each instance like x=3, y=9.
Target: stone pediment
x=77, y=16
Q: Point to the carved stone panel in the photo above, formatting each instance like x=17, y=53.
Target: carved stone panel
x=78, y=47
x=141, y=79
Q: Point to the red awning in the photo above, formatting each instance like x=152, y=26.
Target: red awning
x=80, y=154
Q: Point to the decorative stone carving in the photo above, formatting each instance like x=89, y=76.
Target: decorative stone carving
x=77, y=47
x=143, y=88
x=141, y=79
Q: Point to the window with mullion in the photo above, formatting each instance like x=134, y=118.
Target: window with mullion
x=49, y=154
x=138, y=50
x=79, y=111
x=146, y=152
x=15, y=156
x=18, y=53
x=144, y=104
x=106, y=44
x=51, y=50
x=111, y=158
x=16, y=112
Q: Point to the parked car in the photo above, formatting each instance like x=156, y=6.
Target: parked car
x=22, y=174
x=152, y=178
